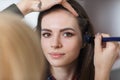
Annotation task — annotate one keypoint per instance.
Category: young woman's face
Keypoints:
(60, 38)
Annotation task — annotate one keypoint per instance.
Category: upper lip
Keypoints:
(56, 53)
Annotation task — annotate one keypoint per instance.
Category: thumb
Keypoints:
(98, 43)
(69, 7)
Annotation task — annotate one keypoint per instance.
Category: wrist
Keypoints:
(24, 10)
(102, 74)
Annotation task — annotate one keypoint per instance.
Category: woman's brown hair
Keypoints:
(85, 68)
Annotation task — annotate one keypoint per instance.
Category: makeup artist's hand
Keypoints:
(27, 6)
(104, 57)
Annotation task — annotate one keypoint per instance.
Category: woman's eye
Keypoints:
(46, 35)
(68, 34)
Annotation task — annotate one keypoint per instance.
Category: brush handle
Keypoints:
(108, 39)
(90, 39)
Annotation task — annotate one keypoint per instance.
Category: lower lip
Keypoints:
(56, 56)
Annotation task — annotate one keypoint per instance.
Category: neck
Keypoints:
(64, 72)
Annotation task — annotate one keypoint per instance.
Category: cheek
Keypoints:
(73, 45)
(72, 49)
(44, 44)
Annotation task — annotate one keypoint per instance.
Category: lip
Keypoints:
(56, 55)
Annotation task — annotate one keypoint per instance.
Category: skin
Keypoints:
(55, 41)
(61, 36)
(104, 56)
(27, 6)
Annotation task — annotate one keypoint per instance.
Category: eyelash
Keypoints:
(68, 34)
(65, 34)
(46, 35)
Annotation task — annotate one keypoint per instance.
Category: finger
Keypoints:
(109, 44)
(98, 43)
(118, 50)
(118, 57)
(104, 43)
(36, 6)
(39, 5)
(69, 7)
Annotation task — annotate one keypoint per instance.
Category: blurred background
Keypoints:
(104, 15)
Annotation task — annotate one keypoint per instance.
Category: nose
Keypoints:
(56, 42)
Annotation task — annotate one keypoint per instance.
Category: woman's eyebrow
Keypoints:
(46, 30)
(66, 29)
(61, 30)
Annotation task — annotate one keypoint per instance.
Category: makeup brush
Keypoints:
(90, 39)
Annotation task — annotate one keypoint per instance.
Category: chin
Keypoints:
(57, 64)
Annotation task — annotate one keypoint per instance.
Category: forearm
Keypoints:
(14, 9)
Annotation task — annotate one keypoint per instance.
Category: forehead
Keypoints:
(59, 17)
(60, 12)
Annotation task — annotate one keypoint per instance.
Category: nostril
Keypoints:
(56, 44)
